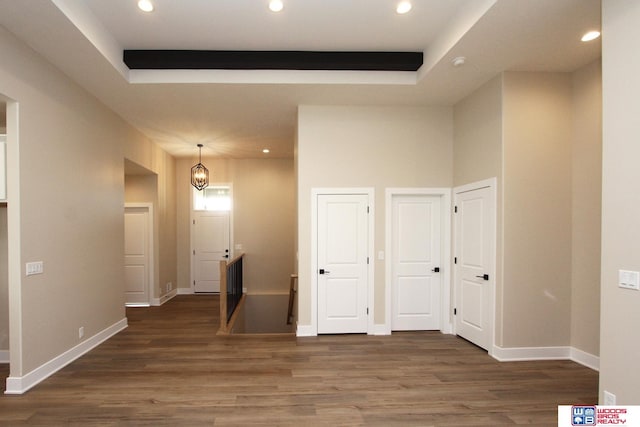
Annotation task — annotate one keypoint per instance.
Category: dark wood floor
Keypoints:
(169, 368)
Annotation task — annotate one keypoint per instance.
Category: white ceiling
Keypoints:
(236, 114)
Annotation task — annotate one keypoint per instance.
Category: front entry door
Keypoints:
(416, 283)
(137, 255)
(342, 263)
(211, 245)
(475, 254)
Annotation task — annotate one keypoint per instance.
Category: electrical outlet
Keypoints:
(609, 399)
(169, 286)
(81, 332)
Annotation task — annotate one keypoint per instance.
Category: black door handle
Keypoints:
(436, 270)
(323, 271)
(484, 277)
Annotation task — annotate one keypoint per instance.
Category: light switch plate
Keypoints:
(35, 268)
(629, 279)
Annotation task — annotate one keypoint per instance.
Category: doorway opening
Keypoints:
(211, 235)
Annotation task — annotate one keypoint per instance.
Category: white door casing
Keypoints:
(211, 244)
(342, 270)
(416, 262)
(138, 254)
(475, 242)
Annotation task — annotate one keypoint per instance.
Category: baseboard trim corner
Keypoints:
(20, 385)
(586, 359)
(164, 298)
(514, 354)
(305, 331)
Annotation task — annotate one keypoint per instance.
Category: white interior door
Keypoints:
(211, 245)
(342, 263)
(475, 254)
(416, 280)
(137, 255)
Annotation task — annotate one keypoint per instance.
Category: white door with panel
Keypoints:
(475, 255)
(342, 263)
(211, 245)
(137, 255)
(416, 280)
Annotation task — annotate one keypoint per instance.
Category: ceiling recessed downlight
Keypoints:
(145, 5)
(276, 5)
(591, 35)
(403, 7)
(266, 151)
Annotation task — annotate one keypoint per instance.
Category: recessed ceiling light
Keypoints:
(403, 7)
(591, 35)
(266, 151)
(276, 5)
(145, 5)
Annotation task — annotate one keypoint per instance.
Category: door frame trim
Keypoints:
(150, 248)
(492, 184)
(366, 191)
(446, 326)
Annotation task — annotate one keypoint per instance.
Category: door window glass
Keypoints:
(213, 198)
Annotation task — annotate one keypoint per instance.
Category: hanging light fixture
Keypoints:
(199, 174)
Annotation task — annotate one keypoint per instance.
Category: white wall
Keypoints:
(379, 147)
(620, 308)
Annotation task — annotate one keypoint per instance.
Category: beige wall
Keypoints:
(620, 308)
(536, 298)
(477, 155)
(375, 147)
(586, 208)
(263, 218)
(545, 235)
(66, 196)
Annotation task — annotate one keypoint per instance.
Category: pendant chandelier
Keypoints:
(199, 174)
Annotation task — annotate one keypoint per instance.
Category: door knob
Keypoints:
(436, 270)
(323, 271)
(484, 277)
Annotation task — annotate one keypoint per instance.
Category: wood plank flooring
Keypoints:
(169, 368)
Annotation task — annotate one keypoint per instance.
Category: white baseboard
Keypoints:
(4, 356)
(164, 298)
(19, 385)
(585, 359)
(185, 291)
(546, 353)
(530, 353)
(380, 329)
(137, 304)
(305, 331)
